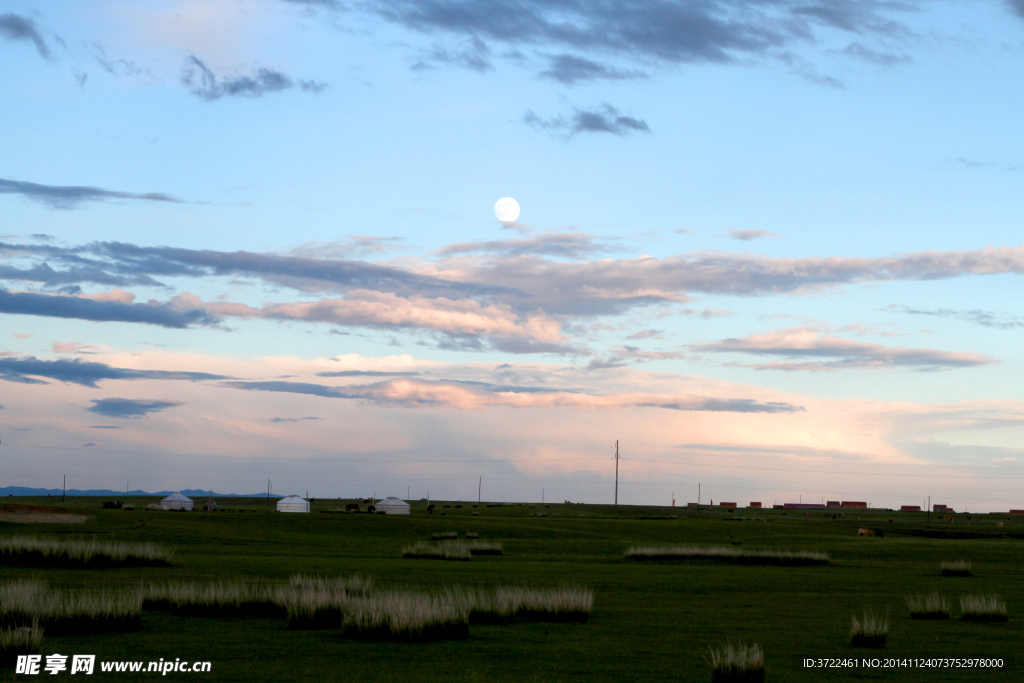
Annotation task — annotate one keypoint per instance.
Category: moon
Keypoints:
(506, 210)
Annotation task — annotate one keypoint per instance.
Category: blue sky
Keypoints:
(777, 242)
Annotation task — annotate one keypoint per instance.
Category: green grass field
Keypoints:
(653, 621)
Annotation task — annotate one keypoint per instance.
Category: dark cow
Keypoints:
(352, 507)
(370, 509)
(430, 509)
(112, 504)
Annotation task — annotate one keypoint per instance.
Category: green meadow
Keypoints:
(654, 620)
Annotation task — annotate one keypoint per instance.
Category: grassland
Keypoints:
(652, 620)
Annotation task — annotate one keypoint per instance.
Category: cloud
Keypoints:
(866, 54)
(472, 54)
(748, 235)
(806, 343)
(293, 419)
(74, 347)
(24, 370)
(204, 84)
(561, 244)
(365, 373)
(653, 31)
(1017, 6)
(384, 310)
(69, 197)
(418, 393)
(647, 334)
(352, 245)
(130, 407)
(604, 119)
(104, 427)
(570, 69)
(623, 354)
(976, 316)
(60, 306)
(14, 27)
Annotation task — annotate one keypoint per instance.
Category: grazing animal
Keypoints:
(370, 509)
(112, 504)
(352, 506)
(863, 532)
(870, 532)
(430, 508)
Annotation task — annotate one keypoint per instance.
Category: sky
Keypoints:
(772, 248)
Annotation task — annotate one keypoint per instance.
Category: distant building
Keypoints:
(727, 505)
(910, 508)
(854, 505)
(176, 501)
(941, 508)
(833, 504)
(1017, 512)
(293, 504)
(393, 506)
(754, 505)
(803, 506)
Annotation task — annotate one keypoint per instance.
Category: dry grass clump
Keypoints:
(91, 554)
(19, 640)
(729, 554)
(871, 631)
(956, 568)
(933, 606)
(443, 535)
(978, 607)
(406, 616)
(503, 604)
(315, 602)
(737, 664)
(445, 550)
(472, 534)
(23, 603)
(485, 548)
(220, 599)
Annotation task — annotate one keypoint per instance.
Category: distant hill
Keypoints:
(24, 491)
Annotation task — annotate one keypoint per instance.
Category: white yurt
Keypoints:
(293, 504)
(176, 501)
(393, 506)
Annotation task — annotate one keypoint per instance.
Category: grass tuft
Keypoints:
(978, 607)
(871, 631)
(727, 554)
(315, 602)
(932, 606)
(443, 535)
(485, 548)
(23, 603)
(445, 550)
(737, 664)
(220, 599)
(29, 551)
(956, 568)
(19, 640)
(503, 604)
(406, 616)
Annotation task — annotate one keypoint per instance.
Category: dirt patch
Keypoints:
(41, 518)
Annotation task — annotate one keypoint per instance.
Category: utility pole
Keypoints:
(698, 497)
(616, 471)
(929, 509)
(64, 490)
(479, 488)
(268, 493)
(542, 496)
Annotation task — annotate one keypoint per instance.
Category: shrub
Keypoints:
(979, 607)
(727, 554)
(446, 550)
(23, 603)
(956, 568)
(933, 606)
(737, 664)
(406, 617)
(91, 554)
(871, 631)
(19, 640)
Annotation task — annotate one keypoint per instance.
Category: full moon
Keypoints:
(506, 209)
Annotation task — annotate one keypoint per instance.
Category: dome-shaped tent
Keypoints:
(176, 501)
(393, 506)
(293, 504)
